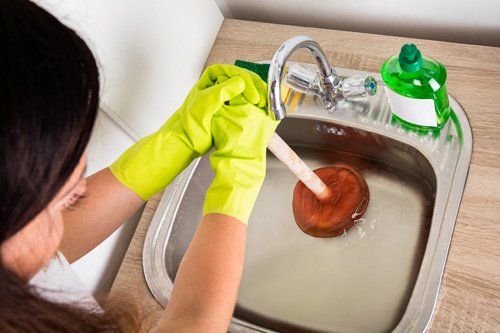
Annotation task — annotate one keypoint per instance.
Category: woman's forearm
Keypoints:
(206, 284)
(106, 205)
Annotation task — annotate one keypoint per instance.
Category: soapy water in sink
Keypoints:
(360, 281)
(365, 225)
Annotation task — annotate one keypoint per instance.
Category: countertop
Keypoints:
(470, 294)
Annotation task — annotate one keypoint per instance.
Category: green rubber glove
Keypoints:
(153, 162)
(241, 132)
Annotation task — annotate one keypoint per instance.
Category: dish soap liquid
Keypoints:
(416, 90)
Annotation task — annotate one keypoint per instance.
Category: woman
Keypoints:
(49, 99)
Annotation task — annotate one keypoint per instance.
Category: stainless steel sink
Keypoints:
(383, 274)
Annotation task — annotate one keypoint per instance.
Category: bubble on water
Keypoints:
(359, 226)
(343, 239)
(361, 208)
(359, 222)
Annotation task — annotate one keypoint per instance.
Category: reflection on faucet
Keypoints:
(326, 84)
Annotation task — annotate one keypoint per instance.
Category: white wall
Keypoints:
(474, 22)
(150, 54)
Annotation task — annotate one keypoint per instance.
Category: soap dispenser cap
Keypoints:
(410, 58)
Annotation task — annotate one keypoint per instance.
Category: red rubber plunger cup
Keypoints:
(332, 216)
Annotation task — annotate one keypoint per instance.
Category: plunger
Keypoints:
(326, 201)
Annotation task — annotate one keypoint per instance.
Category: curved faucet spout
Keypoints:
(326, 84)
(329, 80)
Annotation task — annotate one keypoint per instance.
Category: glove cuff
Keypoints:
(235, 188)
(235, 202)
(152, 163)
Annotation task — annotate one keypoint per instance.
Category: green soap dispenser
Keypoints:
(416, 90)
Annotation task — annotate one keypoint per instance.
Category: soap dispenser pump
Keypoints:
(416, 89)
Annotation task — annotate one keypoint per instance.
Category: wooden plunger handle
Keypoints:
(286, 155)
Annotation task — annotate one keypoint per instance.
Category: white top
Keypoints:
(59, 283)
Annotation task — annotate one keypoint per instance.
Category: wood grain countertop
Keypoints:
(470, 293)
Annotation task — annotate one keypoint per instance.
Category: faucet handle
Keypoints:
(358, 86)
(302, 79)
(306, 81)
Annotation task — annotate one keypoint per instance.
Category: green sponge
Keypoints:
(260, 69)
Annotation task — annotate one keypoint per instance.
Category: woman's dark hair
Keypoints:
(49, 88)
(49, 95)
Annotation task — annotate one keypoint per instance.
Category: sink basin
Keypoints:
(384, 274)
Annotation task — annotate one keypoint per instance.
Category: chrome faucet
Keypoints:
(331, 88)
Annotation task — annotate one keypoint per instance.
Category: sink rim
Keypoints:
(420, 308)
